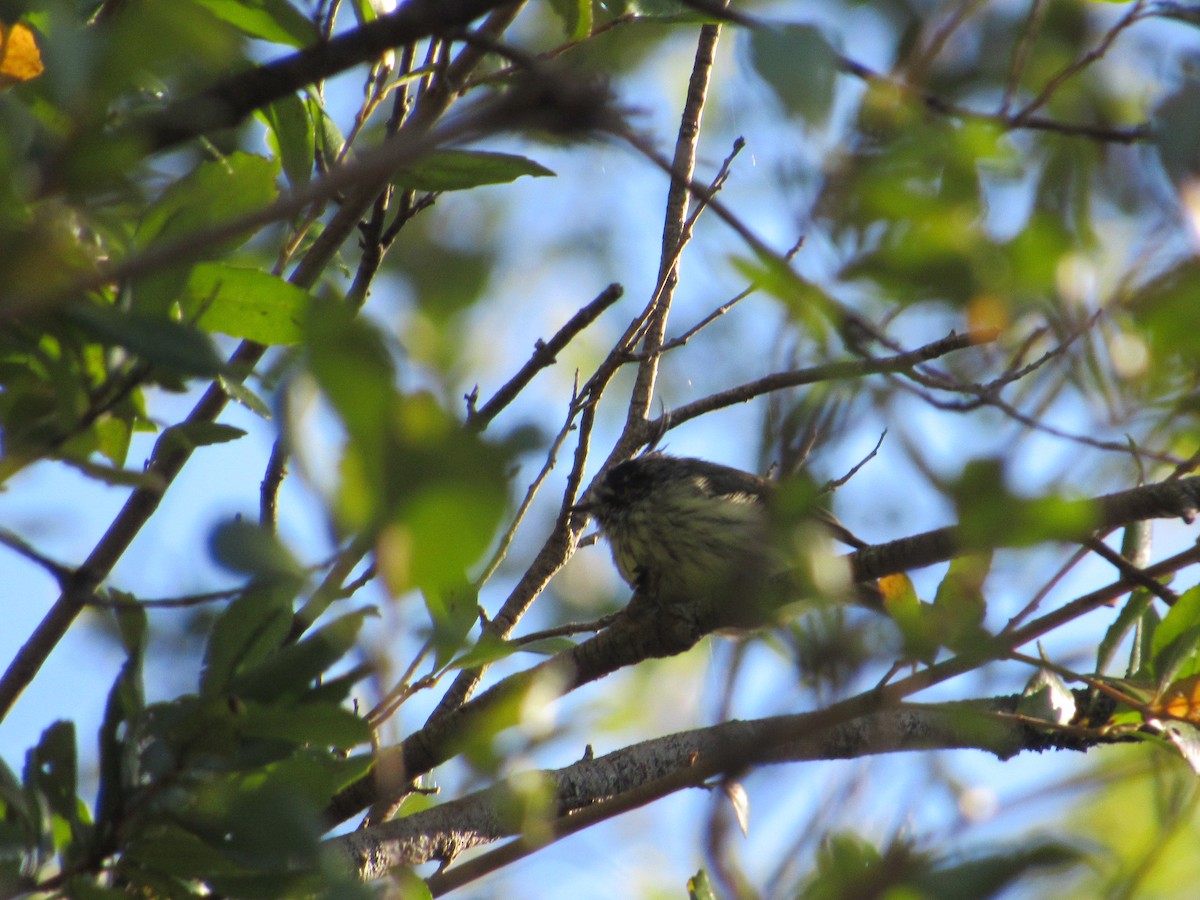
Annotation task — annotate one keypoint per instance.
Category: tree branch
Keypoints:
(632, 776)
(647, 630)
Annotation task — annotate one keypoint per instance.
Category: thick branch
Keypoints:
(1165, 500)
(228, 102)
(698, 755)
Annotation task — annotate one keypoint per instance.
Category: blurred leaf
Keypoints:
(808, 303)
(319, 724)
(700, 888)
(156, 340)
(190, 435)
(576, 17)
(290, 672)
(445, 280)
(1177, 131)
(989, 875)
(245, 303)
(350, 361)
(456, 170)
(212, 194)
(990, 516)
(251, 549)
(269, 20)
(251, 627)
(294, 136)
(1173, 649)
(799, 65)
(1167, 312)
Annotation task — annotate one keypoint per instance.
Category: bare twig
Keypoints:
(62, 574)
(545, 354)
(268, 494)
(1135, 13)
(1131, 572)
(943, 107)
(1021, 53)
(828, 372)
(680, 169)
(530, 493)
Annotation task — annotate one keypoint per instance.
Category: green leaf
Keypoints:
(53, 767)
(245, 303)
(1176, 639)
(989, 875)
(456, 170)
(329, 138)
(319, 724)
(799, 65)
(291, 671)
(119, 769)
(190, 435)
(155, 339)
(808, 303)
(576, 17)
(294, 137)
(990, 516)
(251, 549)
(700, 888)
(249, 629)
(276, 21)
(212, 194)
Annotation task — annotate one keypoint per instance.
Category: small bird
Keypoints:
(689, 531)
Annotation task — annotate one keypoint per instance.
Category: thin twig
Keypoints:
(1131, 572)
(1023, 116)
(1021, 54)
(545, 354)
(62, 574)
(531, 492)
(681, 168)
(828, 372)
(268, 493)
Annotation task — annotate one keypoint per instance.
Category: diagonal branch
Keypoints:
(647, 630)
(595, 789)
(230, 101)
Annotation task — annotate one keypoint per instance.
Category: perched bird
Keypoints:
(689, 531)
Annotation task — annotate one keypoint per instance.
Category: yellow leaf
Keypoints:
(20, 59)
(1181, 700)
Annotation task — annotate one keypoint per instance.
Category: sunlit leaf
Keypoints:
(576, 16)
(245, 303)
(270, 20)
